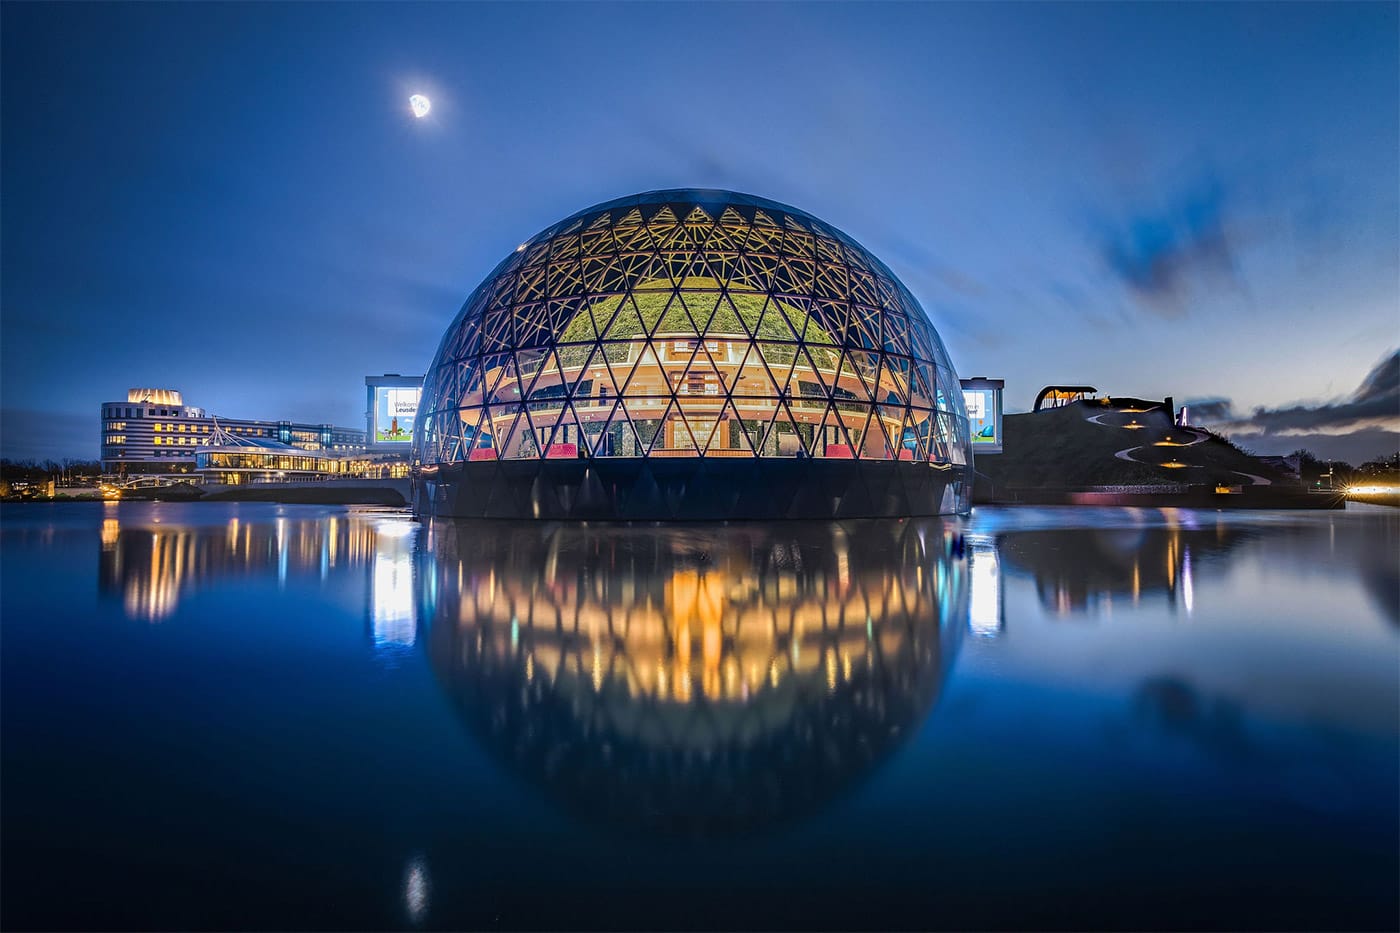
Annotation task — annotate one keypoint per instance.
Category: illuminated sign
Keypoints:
(394, 412)
(982, 398)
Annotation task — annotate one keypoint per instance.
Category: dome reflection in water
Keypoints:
(695, 680)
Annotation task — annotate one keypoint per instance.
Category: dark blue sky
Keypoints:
(233, 200)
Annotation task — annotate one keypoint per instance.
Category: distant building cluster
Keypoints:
(154, 431)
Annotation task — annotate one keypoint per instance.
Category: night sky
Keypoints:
(235, 201)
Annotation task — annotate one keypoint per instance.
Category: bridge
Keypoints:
(147, 482)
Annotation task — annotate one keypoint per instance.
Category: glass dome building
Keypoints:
(691, 354)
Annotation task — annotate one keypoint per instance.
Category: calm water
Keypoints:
(254, 715)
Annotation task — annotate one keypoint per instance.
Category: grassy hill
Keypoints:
(1118, 442)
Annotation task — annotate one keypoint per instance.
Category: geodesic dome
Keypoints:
(692, 324)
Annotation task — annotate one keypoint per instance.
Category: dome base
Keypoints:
(691, 489)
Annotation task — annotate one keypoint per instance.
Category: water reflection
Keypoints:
(416, 890)
(694, 680)
(392, 620)
(152, 561)
(1086, 571)
(923, 713)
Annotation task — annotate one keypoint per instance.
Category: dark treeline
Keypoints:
(1314, 469)
(41, 471)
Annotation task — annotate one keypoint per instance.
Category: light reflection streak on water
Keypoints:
(152, 562)
(984, 581)
(416, 890)
(1188, 592)
(392, 604)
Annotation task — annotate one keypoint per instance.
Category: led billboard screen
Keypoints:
(983, 416)
(394, 412)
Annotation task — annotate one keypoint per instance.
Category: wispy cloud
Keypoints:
(1163, 254)
(1371, 413)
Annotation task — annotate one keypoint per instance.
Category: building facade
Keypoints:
(692, 354)
(154, 431)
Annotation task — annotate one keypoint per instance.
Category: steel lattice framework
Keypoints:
(700, 324)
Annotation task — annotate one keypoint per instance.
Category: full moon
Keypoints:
(420, 105)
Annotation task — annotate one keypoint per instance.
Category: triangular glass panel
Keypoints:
(530, 364)
(752, 378)
(672, 434)
(865, 330)
(894, 381)
(753, 272)
(922, 392)
(601, 272)
(788, 435)
(919, 427)
(672, 318)
(626, 320)
(618, 360)
(834, 440)
(829, 250)
(866, 366)
(498, 371)
(469, 423)
(778, 322)
(469, 387)
(564, 278)
(891, 421)
(822, 372)
(584, 370)
(701, 376)
(503, 291)
(698, 227)
(517, 441)
(630, 234)
(496, 331)
(826, 324)
(530, 285)
(616, 438)
(736, 228)
(701, 417)
(647, 425)
(874, 439)
(566, 440)
(701, 306)
(731, 436)
(755, 423)
(648, 378)
(895, 333)
(737, 314)
(863, 290)
(781, 359)
(832, 282)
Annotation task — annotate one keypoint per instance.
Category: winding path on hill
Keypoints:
(1198, 436)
